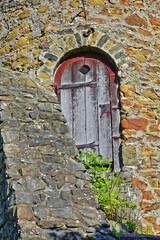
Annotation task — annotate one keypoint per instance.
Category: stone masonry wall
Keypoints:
(43, 186)
(37, 35)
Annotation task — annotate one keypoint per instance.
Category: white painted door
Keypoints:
(85, 100)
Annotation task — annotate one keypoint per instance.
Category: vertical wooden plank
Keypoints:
(116, 139)
(66, 97)
(115, 123)
(105, 134)
(79, 108)
(91, 106)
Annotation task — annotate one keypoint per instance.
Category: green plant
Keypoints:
(107, 185)
(131, 226)
(148, 230)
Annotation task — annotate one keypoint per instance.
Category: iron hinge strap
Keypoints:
(76, 85)
(89, 145)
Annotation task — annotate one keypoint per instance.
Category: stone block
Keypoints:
(103, 40)
(45, 107)
(147, 195)
(21, 42)
(34, 184)
(146, 151)
(96, 2)
(25, 212)
(129, 156)
(88, 212)
(13, 34)
(72, 151)
(40, 212)
(9, 136)
(42, 9)
(154, 183)
(52, 159)
(49, 169)
(46, 224)
(135, 20)
(50, 182)
(71, 42)
(51, 57)
(72, 165)
(139, 184)
(84, 197)
(90, 222)
(135, 123)
(78, 39)
(3, 116)
(66, 213)
(56, 51)
(23, 198)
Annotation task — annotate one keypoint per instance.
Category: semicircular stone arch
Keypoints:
(70, 43)
(104, 110)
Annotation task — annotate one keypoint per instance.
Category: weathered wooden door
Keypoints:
(84, 89)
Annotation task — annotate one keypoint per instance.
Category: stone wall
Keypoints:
(43, 186)
(35, 38)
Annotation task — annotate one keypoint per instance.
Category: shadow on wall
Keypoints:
(8, 217)
(100, 233)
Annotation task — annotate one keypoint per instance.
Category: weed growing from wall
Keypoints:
(108, 186)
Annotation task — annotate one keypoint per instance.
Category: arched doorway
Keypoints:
(86, 88)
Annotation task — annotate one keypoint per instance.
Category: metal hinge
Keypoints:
(116, 137)
(76, 85)
(115, 107)
(105, 108)
(88, 145)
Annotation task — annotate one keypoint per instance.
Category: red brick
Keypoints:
(137, 67)
(134, 123)
(125, 102)
(153, 69)
(147, 195)
(157, 227)
(124, 2)
(46, 44)
(153, 127)
(136, 105)
(143, 205)
(157, 192)
(134, 20)
(139, 184)
(153, 206)
(102, 21)
(104, 11)
(155, 21)
(147, 220)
